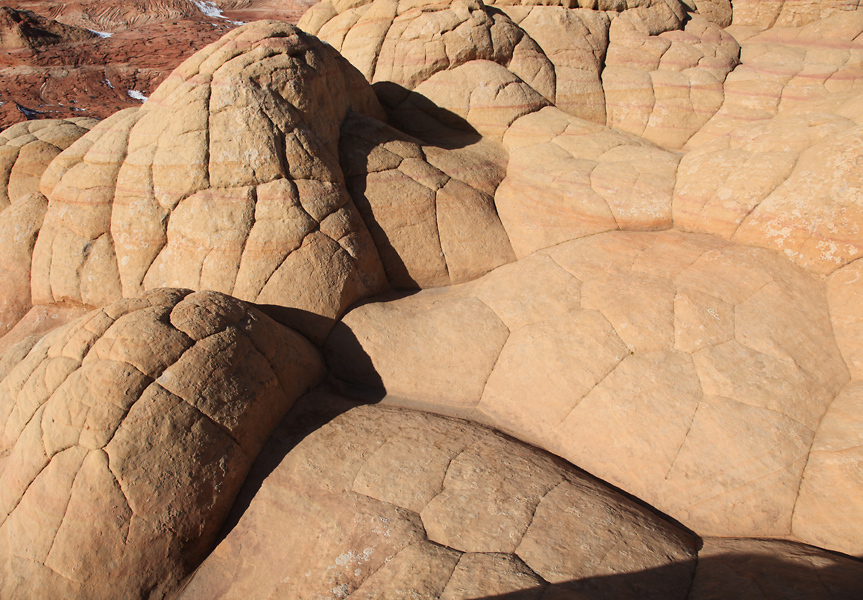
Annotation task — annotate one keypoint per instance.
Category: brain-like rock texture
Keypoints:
(643, 71)
(717, 361)
(388, 503)
(226, 179)
(127, 434)
(26, 150)
(632, 238)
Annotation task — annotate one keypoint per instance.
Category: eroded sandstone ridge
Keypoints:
(627, 234)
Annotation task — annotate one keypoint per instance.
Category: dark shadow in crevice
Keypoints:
(793, 572)
(416, 115)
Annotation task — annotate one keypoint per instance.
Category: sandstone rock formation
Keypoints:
(26, 29)
(717, 361)
(443, 498)
(127, 435)
(603, 240)
(26, 150)
(226, 179)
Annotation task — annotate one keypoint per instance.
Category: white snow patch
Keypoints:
(208, 8)
(136, 95)
(101, 34)
(211, 10)
(108, 83)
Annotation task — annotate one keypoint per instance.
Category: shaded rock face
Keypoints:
(127, 434)
(620, 252)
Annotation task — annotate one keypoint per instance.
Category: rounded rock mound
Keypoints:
(126, 436)
(227, 178)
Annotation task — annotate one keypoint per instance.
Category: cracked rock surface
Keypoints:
(127, 435)
(626, 233)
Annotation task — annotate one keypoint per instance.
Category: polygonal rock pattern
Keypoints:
(26, 150)
(126, 436)
(227, 178)
(716, 360)
(431, 213)
(649, 69)
(665, 87)
(790, 183)
(807, 57)
(831, 495)
(388, 503)
(568, 178)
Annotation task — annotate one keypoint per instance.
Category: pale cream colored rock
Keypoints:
(452, 369)
(845, 298)
(773, 569)
(786, 67)
(227, 179)
(718, 378)
(27, 148)
(787, 13)
(568, 178)
(486, 95)
(126, 435)
(788, 184)
(575, 41)
(665, 87)
(830, 500)
(402, 43)
(486, 491)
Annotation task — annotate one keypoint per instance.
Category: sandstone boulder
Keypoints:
(26, 150)
(788, 66)
(700, 368)
(431, 213)
(388, 503)
(227, 178)
(126, 436)
(569, 178)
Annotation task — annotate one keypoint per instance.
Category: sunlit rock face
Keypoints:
(625, 234)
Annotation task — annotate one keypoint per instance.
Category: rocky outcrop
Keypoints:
(389, 502)
(676, 339)
(610, 254)
(226, 179)
(26, 29)
(127, 434)
(25, 151)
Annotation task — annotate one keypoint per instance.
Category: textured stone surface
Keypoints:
(568, 178)
(127, 434)
(201, 188)
(718, 361)
(640, 222)
(483, 515)
(26, 150)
